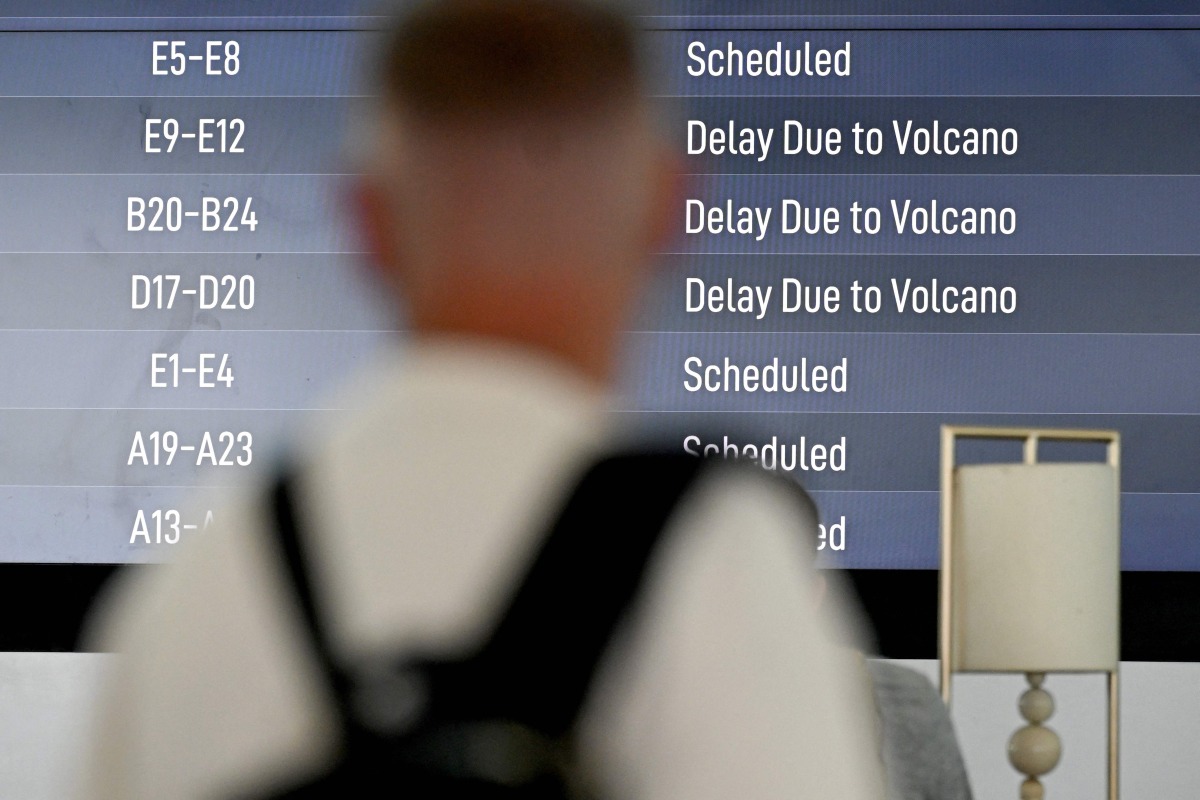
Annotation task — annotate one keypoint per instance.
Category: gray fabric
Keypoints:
(920, 752)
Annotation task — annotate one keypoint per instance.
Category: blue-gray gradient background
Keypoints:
(1104, 262)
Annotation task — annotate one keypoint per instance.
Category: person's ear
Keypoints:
(669, 189)
(374, 216)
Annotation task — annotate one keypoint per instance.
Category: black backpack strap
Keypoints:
(537, 666)
(290, 532)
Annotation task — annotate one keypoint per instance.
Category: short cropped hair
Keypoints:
(470, 59)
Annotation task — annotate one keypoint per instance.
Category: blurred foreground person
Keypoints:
(517, 192)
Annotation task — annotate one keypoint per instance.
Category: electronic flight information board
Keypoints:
(955, 214)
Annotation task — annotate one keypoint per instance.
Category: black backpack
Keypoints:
(496, 725)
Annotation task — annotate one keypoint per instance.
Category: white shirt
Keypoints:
(425, 505)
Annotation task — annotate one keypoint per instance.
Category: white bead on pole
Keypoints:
(1034, 749)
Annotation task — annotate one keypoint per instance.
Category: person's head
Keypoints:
(519, 184)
